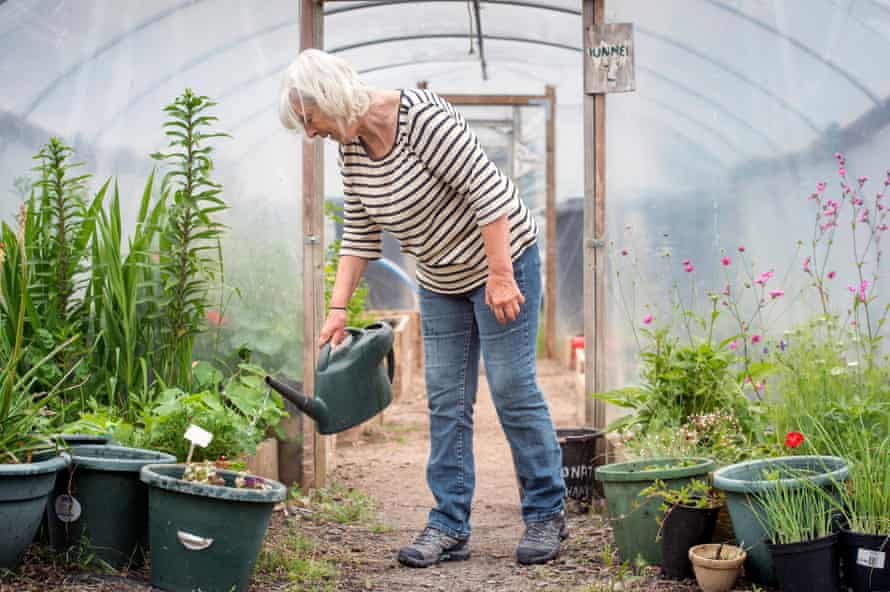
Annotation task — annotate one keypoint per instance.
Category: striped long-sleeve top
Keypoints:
(433, 192)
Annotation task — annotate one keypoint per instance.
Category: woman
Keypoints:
(411, 166)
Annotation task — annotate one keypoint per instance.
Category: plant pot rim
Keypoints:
(813, 544)
(629, 471)
(50, 465)
(710, 562)
(724, 478)
(153, 475)
(104, 457)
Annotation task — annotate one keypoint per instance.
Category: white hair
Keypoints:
(326, 80)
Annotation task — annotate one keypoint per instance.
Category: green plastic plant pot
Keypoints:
(741, 480)
(205, 537)
(100, 503)
(24, 489)
(635, 519)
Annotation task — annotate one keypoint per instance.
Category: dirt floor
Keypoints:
(308, 550)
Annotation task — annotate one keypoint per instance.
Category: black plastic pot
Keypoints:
(682, 529)
(811, 566)
(100, 502)
(866, 561)
(579, 462)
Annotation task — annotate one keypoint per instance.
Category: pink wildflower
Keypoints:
(734, 346)
(831, 274)
(838, 156)
(624, 252)
(863, 290)
(806, 264)
(820, 186)
(687, 262)
(755, 338)
(647, 319)
(726, 260)
(726, 290)
(742, 247)
(842, 171)
(862, 180)
(689, 268)
(776, 293)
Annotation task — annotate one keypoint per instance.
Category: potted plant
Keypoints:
(28, 458)
(716, 565)
(206, 525)
(101, 501)
(798, 522)
(742, 481)
(635, 518)
(690, 516)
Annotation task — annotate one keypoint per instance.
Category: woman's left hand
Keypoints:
(503, 297)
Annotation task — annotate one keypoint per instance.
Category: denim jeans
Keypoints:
(455, 329)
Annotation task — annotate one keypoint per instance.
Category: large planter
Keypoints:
(205, 537)
(810, 566)
(23, 492)
(683, 528)
(866, 561)
(635, 519)
(101, 503)
(740, 481)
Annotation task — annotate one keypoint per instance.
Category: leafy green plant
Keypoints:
(189, 258)
(24, 428)
(695, 494)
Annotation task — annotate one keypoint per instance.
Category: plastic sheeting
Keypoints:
(739, 106)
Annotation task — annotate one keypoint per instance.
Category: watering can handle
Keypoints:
(391, 363)
(324, 355)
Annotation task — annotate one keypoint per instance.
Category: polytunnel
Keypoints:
(738, 109)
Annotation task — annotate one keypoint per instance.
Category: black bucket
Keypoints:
(866, 561)
(812, 566)
(682, 529)
(579, 462)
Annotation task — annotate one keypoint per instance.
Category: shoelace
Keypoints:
(429, 536)
(540, 532)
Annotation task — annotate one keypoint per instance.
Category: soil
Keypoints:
(388, 463)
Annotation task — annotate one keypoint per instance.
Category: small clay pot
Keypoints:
(716, 575)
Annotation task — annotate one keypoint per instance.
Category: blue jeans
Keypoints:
(455, 329)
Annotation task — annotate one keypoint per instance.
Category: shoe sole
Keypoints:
(462, 555)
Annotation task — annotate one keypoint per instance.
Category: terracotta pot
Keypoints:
(716, 575)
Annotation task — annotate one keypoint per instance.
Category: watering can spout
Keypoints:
(313, 407)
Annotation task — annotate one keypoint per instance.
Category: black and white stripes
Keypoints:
(432, 191)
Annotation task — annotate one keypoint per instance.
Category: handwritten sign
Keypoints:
(609, 59)
(198, 436)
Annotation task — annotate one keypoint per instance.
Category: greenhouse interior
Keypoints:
(458, 295)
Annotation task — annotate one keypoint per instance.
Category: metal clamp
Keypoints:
(193, 542)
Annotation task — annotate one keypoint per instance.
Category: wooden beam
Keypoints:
(488, 100)
(593, 12)
(315, 446)
(550, 213)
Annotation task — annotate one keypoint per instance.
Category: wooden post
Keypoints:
(315, 460)
(550, 213)
(594, 235)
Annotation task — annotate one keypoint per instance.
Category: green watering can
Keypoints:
(351, 384)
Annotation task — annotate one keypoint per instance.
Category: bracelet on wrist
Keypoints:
(336, 308)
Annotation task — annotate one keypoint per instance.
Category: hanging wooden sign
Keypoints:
(609, 58)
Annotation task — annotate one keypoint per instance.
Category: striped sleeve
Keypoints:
(361, 235)
(453, 153)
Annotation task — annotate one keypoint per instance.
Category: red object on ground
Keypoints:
(576, 344)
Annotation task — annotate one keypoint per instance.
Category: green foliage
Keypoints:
(357, 305)
(189, 258)
(238, 412)
(296, 558)
(679, 381)
(695, 494)
(793, 513)
(124, 300)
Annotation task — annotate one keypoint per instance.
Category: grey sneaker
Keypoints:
(541, 540)
(432, 546)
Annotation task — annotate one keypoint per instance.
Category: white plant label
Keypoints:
(199, 436)
(67, 508)
(869, 558)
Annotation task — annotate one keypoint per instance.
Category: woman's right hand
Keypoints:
(334, 328)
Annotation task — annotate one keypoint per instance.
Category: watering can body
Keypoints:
(352, 384)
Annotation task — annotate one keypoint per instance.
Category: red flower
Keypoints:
(214, 318)
(793, 439)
